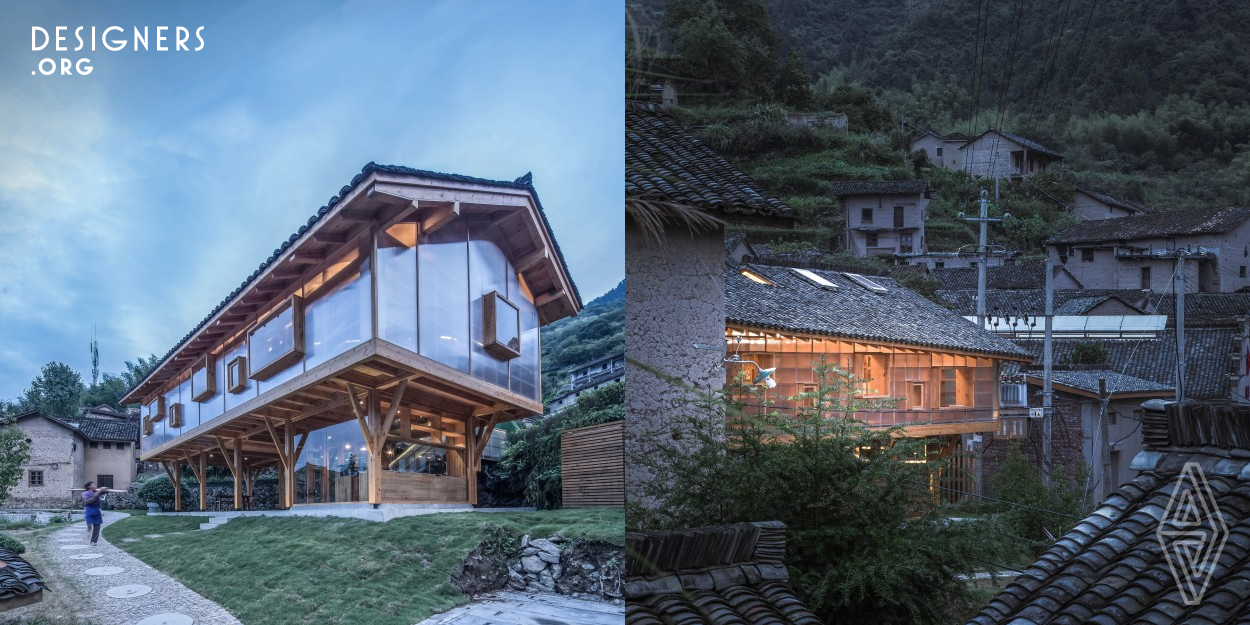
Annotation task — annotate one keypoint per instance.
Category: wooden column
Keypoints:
(177, 486)
(285, 464)
(470, 473)
(374, 447)
(288, 444)
(237, 471)
(203, 479)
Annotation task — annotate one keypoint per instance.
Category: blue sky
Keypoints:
(135, 198)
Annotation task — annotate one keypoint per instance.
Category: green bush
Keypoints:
(160, 490)
(1041, 512)
(529, 470)
(12, 544)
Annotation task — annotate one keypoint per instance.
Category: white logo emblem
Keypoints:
(1192, 533)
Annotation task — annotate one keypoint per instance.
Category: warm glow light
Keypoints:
(755, 277)
(405, 233)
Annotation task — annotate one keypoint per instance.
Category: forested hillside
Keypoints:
(595, 332)
(1148, 100)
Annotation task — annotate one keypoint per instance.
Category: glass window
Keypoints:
(35, 479)
(338, 319)
(214, 406)
(278, 342)
(171, 429)
(444, 299)
(204, 381)
(523, 373)
(870, 239)
(397, 285)
(956, 387)
(333, 466)
(190, 409)
(865, 215)
(105, 481)
(873, 374)
(488, 277)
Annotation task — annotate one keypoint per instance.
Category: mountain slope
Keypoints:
(595, 332)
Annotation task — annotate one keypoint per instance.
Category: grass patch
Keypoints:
(294, 570)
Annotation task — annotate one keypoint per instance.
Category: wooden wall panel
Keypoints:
(593, 466)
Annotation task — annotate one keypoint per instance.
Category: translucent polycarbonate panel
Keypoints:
(488, 270)
(333, 466)
(443, 266)
(525, 369)
(272, 341)
(190, 409)
(171, 398)
(337, 320)
(397, 285)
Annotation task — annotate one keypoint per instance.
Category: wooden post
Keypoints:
(237, 470)
(470, 473)
(374, 447)
(203, 477)
(284, 464)
(288, 446)
(177, 486)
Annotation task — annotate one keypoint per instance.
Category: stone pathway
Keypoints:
(519, 608)
(122, 590)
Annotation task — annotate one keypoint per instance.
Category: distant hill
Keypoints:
(599, 330)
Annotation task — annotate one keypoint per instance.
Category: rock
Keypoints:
(515, 567)
(525, 541)
(530, 551)
(556, 570)
(588, 567)
(558, 538)
(546, 557)
(532, 564)
(547, 581)
(546, 545)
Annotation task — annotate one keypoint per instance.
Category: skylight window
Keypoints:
(866, 283)
(755, 277)
(818, 279)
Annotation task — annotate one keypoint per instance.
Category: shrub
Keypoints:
(160, 490)
(12, 544)
(1043, 512)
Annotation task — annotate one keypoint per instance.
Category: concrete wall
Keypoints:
(914, 206)
(676, 298)
(991, 155)
(950, 157)
(50, 445)
(118, 462)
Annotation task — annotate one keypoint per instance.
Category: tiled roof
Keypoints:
(1087, 380)
(1207, 358)
(525, 182)
(1205, 306)
(664, 163)
(719, 575)
(1154, 225)
(850, 310)
(732, 241)
(1031, 275)
(1112, 569)
(94, 429)
(18, 579)
(1033, 301)
(878, 187)
(1115, 201)
(1033, 146)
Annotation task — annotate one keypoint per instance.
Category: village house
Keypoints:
(1139, 252)
(679, 196)
(1093, 205)
(941, 150)
(101, 445)
(370, 358)
(1116, 567)
(998, 154)
(587, 377)
(1081, 431)
(884, 217)
(943, 372)
(968, 259)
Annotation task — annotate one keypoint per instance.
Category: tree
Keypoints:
(794, 85)
(865, 541)
(728, 43)
(112, 388)
(14, 453)
(57, 391)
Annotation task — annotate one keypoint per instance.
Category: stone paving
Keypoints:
(122, 590)
(522, 608)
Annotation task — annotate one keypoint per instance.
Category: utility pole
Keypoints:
(983, 250)
(1180, 324)
(1105, 452)
(1047, 370)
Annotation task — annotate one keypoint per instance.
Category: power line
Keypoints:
(1004, 501)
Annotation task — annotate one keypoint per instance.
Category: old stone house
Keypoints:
(1139, 252)
(996, 153)
(941, 150)
(101, 445)
(587, 377)
(884, 217)
(1088, 204)
(679, 196)
(1078, 437)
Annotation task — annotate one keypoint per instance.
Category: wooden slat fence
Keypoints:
(592, 466)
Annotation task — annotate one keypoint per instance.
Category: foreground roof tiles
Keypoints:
(1154, 225)
(1112, 569)
(18, 579)
(848, 309)
(718, 575)
(1030, 275)
(665, 163)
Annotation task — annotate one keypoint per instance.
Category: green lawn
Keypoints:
(295, 570)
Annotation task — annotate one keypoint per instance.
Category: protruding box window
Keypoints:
(204, 380)
(236, 374)
(277, 341)
(147, 426)
(158, 409)
(502, 325)
(175, 415)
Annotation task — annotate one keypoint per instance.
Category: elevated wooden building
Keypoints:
(370, 357)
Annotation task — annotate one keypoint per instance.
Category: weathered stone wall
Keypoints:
(677, 299)
(580, 569)
(57, 452)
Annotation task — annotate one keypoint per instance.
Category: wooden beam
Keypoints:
(360, 417)
(484, 437)
(470, 475)
(548, 297)
(357, 214)
(390, 413)
(277, 443)
(238, 479)
(221, 446)
(533, 259)
(439, 217)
